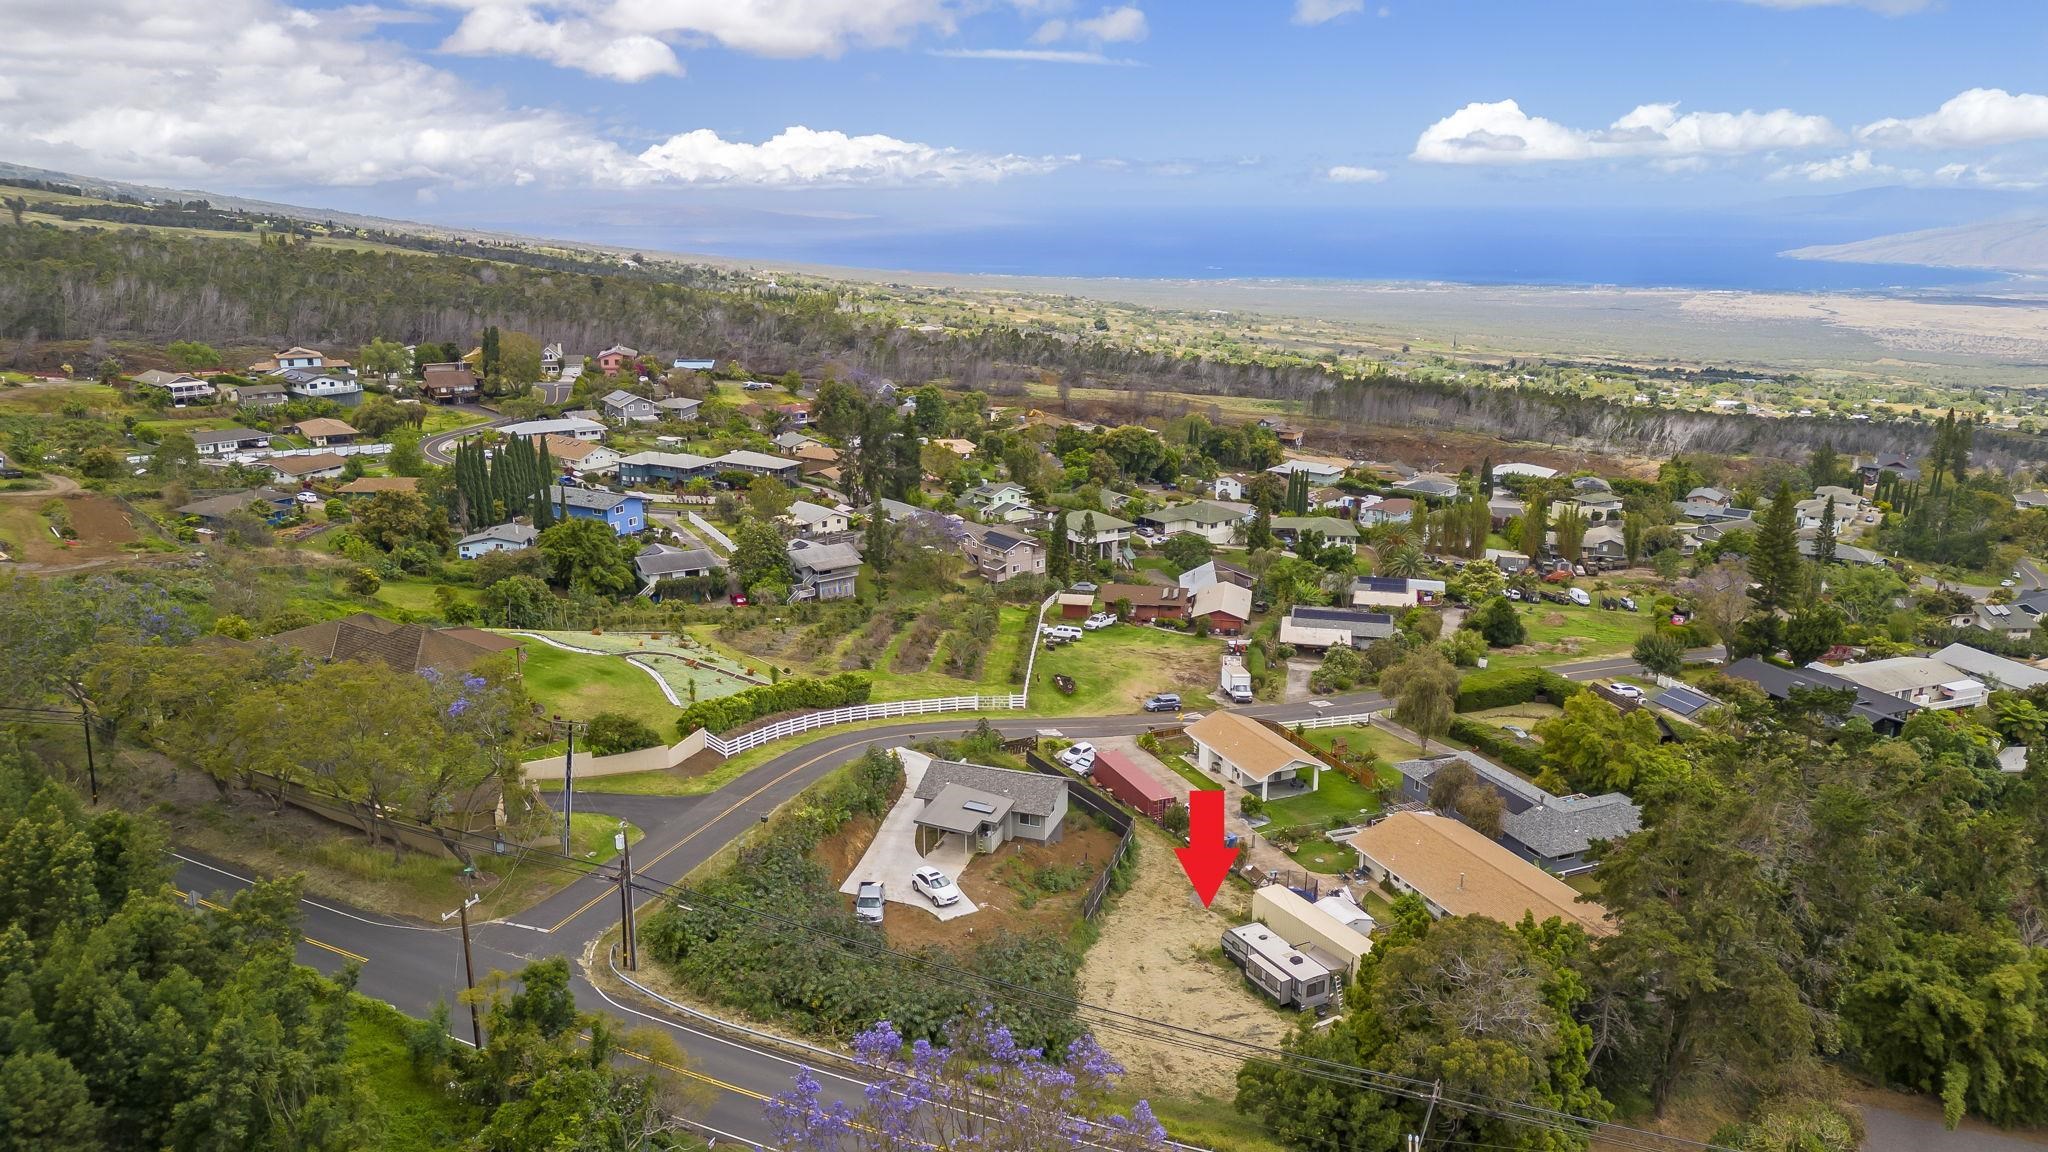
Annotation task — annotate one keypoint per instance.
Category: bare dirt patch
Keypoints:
(102, 526)
(1000, 883)
(1159, 957)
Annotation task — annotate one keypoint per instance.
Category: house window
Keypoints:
(1029, 820)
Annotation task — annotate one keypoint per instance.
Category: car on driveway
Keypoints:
(1099, 620)
(1625, 691)
(867, 902)
(1080, 756)
(1163, 702)
(936, 886)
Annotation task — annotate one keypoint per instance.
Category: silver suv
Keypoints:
(867, 902)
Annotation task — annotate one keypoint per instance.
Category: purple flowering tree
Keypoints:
(979, 1090)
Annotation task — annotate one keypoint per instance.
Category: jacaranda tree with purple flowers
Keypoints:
(978, 1090)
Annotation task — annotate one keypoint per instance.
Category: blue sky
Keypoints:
(523, 112)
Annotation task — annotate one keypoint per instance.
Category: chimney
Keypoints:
(1461, 881)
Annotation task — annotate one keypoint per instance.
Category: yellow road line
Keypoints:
(706, 826)
(693, 1074)
(341, 952)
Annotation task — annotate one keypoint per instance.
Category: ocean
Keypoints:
(1641, 249)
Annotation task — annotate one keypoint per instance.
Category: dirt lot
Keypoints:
(1160, 957)
(102, 525)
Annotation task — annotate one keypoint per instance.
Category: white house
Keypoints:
(572, 427)
(182, 389)
(1319, 471)
(1212, 522)
(496, 538)
(320, 384)
(816, 519)
(1251, 755)
(1227, 488)
(1918, 679)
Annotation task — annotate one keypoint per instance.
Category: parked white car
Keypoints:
(936, 886)
(1080, 756)
(1625, 691)
(1581, 597)
(1099, 620)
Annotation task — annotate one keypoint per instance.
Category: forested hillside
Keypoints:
(59, 285)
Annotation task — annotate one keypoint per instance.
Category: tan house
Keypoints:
(999, 555)
(326, 432)
(1247, 753)
(581, 455)
(1459, 872)
(961, 448)
(318, 466)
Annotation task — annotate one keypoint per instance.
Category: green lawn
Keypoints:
(50, 398)
(410, 1114)
(1336, 797)
(1391, 749)
(1568, 632)
(416, 595)
(1114, 670)
(580, 686)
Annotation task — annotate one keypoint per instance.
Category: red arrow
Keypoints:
(1206, 859)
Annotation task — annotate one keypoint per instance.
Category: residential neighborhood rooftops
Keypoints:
(593, 498)
(1254, 749)
(1466, 874)
(1146, 595)
(1780, 683)
(1569, 824)
(229, 435)
(1229, 599)
(1994, 670)
(658, 560)
(520, 534)
(680, 461)
(563, 426)
(1329, 526)
(1104, 522)
(1505, 781)
(1201, 512)
(745, 458)
(823, 557)
(324, 426)
(227, 504)
(304, 465)
(405, 647)
(1899, 674)
(1683, 701)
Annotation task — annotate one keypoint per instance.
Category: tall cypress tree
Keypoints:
(1824, 535)
(1774, 564)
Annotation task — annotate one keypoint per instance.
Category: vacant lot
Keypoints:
(1160, 957)
(1559, 632)
(580, 686)
(1114, 670)
(102, 526)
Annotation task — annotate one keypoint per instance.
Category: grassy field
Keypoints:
(580, 686)
(1390, 749)
(933, 681)
(1114, 670)
(1569, 632)
(410, 1114)
(1336, 797)
(49, 398)
(417, 596)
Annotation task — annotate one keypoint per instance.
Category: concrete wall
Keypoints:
(655, 759)
(1299, 922)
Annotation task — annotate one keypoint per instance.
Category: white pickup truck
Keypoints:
(1235, 681)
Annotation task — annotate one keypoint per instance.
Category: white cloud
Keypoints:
(196, 93)
(1035, 55)
(1501, 133)
(1977, 117)
(1352, 174)
(1988, 177)
(1313, 12)
(1857, 163)
(518, 31)
(1887, 7)
(1112, 26)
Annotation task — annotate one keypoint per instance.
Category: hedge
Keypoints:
(1491, 741)
(1501, 687)
(794, 695)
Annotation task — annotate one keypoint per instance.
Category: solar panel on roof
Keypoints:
(1683, 701)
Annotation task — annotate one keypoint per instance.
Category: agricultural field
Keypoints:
(915, 649)
(101, 528)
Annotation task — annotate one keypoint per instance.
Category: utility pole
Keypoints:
(626, 897)
(92, 772)
(1414, 1141)
(476, 1027)
(568, 778)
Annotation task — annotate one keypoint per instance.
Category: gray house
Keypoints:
(1551, 832)
(988, 807)
(623, 406)
(823, 571)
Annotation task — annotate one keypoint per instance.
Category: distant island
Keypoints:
(2005, 245)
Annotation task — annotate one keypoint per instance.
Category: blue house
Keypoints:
(625, 512)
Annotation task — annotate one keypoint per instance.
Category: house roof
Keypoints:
(591, 498)
(680, 461)
(1229, 599)
(1250, 746)
(304, 465)
(748, 459)
(1356, 621)
(565, 424)
(1329, 526)
(571, 449)
(2001, 618)
(1568, 825)
(1389, 508)
(511, 533)
(227, 504)
(811, 513)
(362, 485)
(1104, 522)
(619, 398)
(1707, 496)
(823, 557)
(1146, 595)
(958, 808)
(447, 376)
(1200, 512)
(1032, 793)
(324, 426)
(158, 378)
(1996, 670)
(228, 436)
(1683, 701)
(619, 350)
(1466, 874)
(679, 404)
(1429, 486)
(1899, 674)
(1004, 541)
(663, 560)
(1517, 468)
(1780, 683)
(1519, 792)
(405, 647)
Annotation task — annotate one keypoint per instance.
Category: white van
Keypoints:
(1580, 598)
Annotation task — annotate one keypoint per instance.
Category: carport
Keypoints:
(975, 816)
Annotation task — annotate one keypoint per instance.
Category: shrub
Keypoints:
(364, 581)
(786, 696)
(1500, 687)
(612, 732)
(1491, 741)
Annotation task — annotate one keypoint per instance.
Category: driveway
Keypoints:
(892, 856)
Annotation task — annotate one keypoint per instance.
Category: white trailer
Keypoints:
(1235, 680)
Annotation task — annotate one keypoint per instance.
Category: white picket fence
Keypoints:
(1329, 721)
(853, 714)
(711, 530)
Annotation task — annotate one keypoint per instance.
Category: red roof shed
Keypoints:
(1131, 784)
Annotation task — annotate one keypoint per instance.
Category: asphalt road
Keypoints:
(436, 448)
(414, 966)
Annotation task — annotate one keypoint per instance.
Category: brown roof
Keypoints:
(569, 448)
(439, 376)
(824, 452)
(1250, 746)
(1146, 595)
(305, 465)
(363, 485)
(324, 426)
(1466, 874)
(405, 647)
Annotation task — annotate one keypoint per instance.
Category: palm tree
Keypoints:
(1405, 561)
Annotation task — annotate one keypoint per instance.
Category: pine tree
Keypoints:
(1535, 526)
(1824, 535)
(544, 476)
(1824, 467)
(1486, 477)
(491, 360)
(1260, 534)
(1774, 564)
(1057, 558)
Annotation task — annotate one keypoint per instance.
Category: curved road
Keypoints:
(414, 966)
(436, 447)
